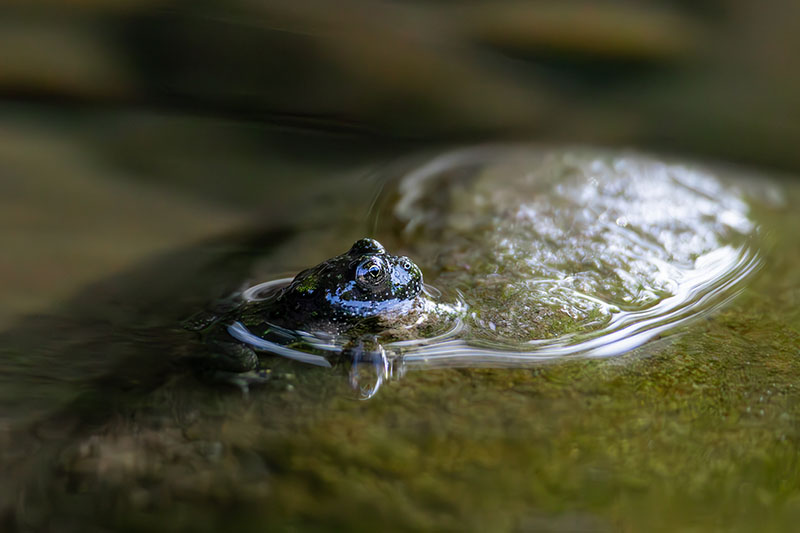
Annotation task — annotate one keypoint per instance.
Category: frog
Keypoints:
(350, 304)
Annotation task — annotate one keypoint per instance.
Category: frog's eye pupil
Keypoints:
(371, 273)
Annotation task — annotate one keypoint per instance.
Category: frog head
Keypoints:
(363, 282)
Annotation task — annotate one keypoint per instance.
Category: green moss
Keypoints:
(307, 284)
(698, 431)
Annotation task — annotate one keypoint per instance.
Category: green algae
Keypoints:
(703, 433)
(697, 431)
(309, 283)
(694, 432)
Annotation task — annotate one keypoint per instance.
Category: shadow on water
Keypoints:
(66, 374)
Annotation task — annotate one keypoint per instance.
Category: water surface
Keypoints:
(104, 426)
(563, 251)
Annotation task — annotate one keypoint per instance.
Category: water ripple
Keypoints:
(546, 254)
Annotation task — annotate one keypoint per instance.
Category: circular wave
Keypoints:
(623, 247)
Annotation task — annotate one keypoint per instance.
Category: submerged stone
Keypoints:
(563, 251)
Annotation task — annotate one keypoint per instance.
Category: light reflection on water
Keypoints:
(628, 247)
(701, 292)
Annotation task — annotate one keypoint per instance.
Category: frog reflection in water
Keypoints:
(360, 297)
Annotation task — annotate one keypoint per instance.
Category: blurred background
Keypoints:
(143, 142)
(129, 127)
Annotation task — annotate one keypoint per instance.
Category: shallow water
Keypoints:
(541, 253)
(105, 427)
(619, 247)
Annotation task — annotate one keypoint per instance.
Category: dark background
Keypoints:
(716, 78)
(133, 127)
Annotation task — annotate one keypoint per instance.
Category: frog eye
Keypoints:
(370, 272)
(405, 263)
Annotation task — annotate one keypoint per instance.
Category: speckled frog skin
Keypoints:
(358, 298)
(364, 287)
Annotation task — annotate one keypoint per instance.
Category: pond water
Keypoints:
(686, 274)
(542, 253)
(571, 251)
